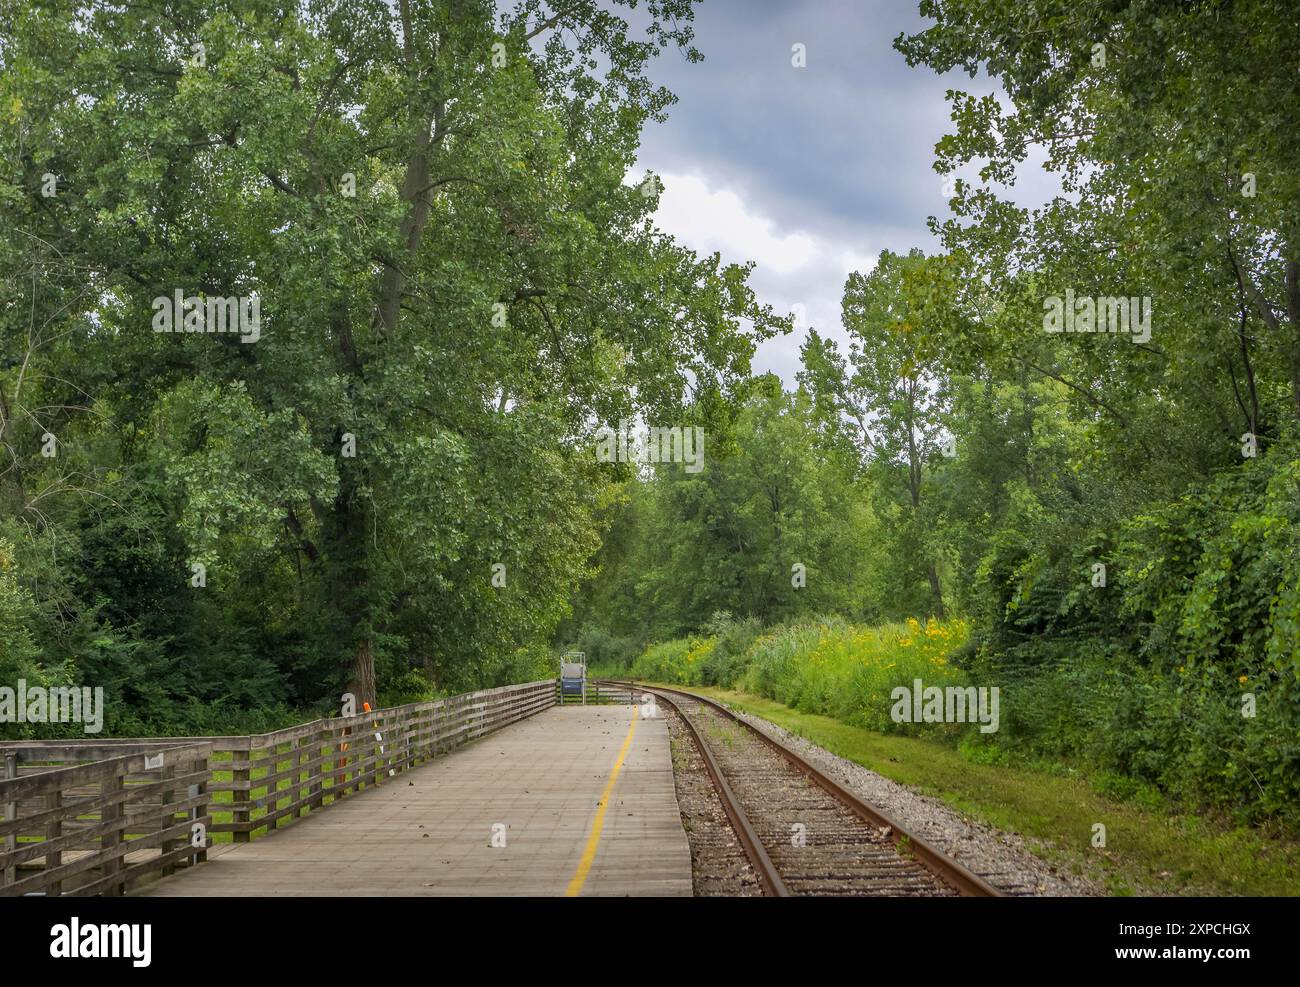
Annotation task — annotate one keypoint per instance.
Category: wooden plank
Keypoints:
(103, 808)
(142, 794)
(239, 771)
(60, 779)
(541, 777)
(10, 874)
(112, 815)
(44, 880)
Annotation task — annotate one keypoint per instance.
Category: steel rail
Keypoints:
(768, 876)
(963, 880)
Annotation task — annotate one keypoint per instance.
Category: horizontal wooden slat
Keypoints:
(95, 807)
(90, 861)
(72, 841)
(97, 804)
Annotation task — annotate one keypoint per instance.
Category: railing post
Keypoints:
(315, 796)
(397, 746)
(53, 830)
(110, 787)
(272, 794)
(455, 722)
(345, 733)
(200, 811)
(11, 813)
(244, 795)
(168, 818)
(295, 746)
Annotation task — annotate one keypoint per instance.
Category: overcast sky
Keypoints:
(809, 172)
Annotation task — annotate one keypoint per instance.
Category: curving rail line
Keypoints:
(762, 784)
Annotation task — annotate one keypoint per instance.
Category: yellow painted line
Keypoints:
(598, 824)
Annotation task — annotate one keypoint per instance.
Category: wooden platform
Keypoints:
(430, 831)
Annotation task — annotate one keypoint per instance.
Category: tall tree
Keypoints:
(428, 202)
(889, 386)
(1168, 126)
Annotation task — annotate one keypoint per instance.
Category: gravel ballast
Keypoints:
(1001, 858)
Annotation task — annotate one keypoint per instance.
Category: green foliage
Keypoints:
(826, 666)
(1215, 575)
(732, 640)
(452, 273)
(18, 650)
(680, 661)
(683, 546)
(886, 399)
(1181, 733)
(495, 288)
(849, 671)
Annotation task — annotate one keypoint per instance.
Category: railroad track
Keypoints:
(805, 834)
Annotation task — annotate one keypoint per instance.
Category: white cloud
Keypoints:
(798, 271)
(708, 219)
(851, 261)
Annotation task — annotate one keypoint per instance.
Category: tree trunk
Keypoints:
(14, 498)
(347, 561)
(937, 590)
(1293, 315)
(914, 489)
(362, 682)
(415, 190)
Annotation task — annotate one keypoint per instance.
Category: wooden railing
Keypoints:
(606, 692)
(94, 818)
(127, 810)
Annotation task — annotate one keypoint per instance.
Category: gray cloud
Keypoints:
(841, 151)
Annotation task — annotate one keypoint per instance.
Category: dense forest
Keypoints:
(1104, 524)
(453, 284)
(1059, 455)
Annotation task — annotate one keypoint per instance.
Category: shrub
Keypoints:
(732, 640)
(605, 649)
(679, 661)
(827, 666)
(849, 671)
